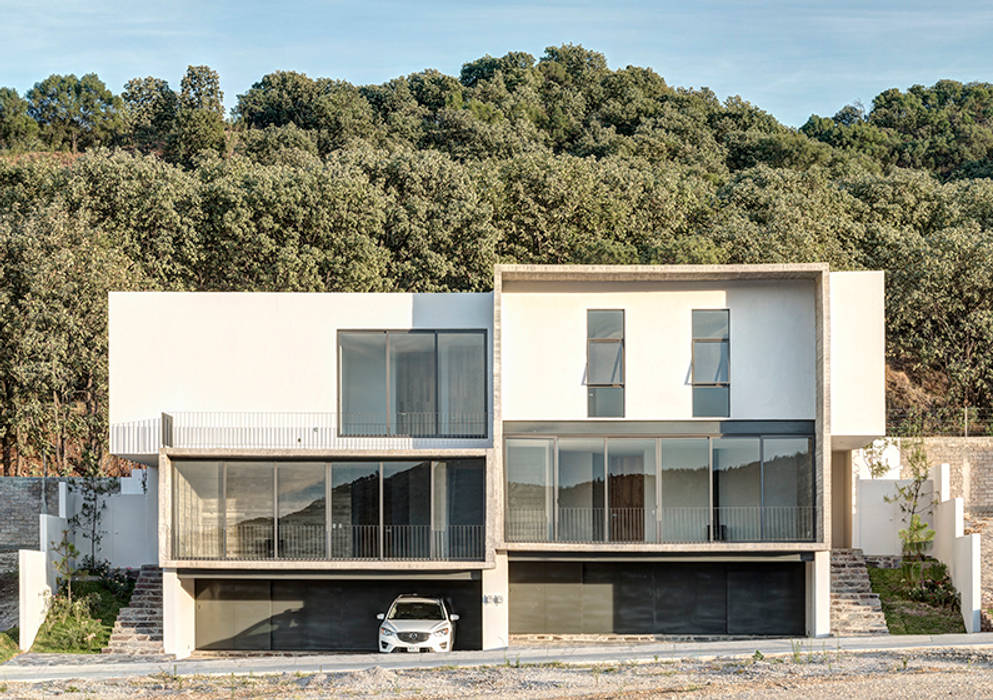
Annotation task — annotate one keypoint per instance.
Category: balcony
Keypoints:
(256, 542)
(678, 525)
(348, 509)
(304, 431)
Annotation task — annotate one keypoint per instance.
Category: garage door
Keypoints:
(656, 598)
(317, 615)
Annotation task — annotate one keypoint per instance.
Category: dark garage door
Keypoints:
(318, 615)
(656, 598)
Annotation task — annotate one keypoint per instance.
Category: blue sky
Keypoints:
(790, 58)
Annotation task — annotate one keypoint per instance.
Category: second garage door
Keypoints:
(657, 598)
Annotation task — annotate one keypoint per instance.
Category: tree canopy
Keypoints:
(424, 182)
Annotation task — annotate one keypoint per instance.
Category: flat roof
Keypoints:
(660, 273)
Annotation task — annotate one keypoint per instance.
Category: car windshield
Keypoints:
(417, 610)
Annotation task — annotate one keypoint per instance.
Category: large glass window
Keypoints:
(355, 510)
(631, 490)
(248, 503)
(711, 363)
(418, 383)
(198, 510)
(685, 489)
(459, 493)
(413, 400)
(302, 499)
(363, 383)
(605, 363)
(670, 489)
(580, 490)
(265, 510)
(528, 465)
(461, 392)
(788, 489)
(406, 510)
(737, 489)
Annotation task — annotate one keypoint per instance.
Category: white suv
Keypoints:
(416, 623)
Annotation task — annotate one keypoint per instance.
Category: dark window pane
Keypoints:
(685, 489)
(737, 489)
(406, 510)
(412, 384)
(605, 324)
(631, 489)
(197, 510)
(788, 489)
(462, 384)
(606, 401)
(529, 482)
(248, 503)
(710, 402)
(363, 383)
(606, 363)
(301, 501)
(710, 362)
(459, 509)
(355, 510)
(581, 490)
(709, 323)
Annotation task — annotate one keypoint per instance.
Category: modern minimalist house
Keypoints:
(586, 449)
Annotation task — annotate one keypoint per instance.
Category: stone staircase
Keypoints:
(855, 609)
(138, 629)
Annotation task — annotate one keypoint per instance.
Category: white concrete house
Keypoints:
(609, 449)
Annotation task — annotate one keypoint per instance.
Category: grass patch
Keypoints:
(907, 616)
(86, 628)
(8, 644)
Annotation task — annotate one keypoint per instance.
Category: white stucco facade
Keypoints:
(772, 347)
(858, 358)
(254, 352)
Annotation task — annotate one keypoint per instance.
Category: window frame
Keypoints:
(341, 432)
(623, 355)
(710, 384)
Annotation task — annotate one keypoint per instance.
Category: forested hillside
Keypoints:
(426, 181)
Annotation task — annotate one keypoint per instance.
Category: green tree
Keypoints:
(150, 107)
(74, 113)
(18, 131)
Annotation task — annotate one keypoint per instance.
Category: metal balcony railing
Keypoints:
(680, 525)
(268, 541)
(311, 431)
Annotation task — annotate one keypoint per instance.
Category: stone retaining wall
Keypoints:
(20, 504)
(970, 460)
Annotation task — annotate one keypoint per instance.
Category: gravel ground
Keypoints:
(905, 675)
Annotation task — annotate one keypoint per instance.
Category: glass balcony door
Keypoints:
(671, 489)
(256, 510)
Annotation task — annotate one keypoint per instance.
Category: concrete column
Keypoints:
(496, 604)
(819, 595)
(178, 614)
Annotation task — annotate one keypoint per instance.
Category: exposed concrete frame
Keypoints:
(168, 454)
(507, 276)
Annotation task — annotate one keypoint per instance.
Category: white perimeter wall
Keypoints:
(254, 352)
(773, 350)
(858, 369)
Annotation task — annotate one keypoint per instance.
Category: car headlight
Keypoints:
(386, 631)
(443, 632)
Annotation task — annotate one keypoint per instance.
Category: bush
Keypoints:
(70, 625)
(934, 587)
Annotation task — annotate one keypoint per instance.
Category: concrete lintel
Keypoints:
(659, 273)
(323, 565)
(233, 454)
(697, 548)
